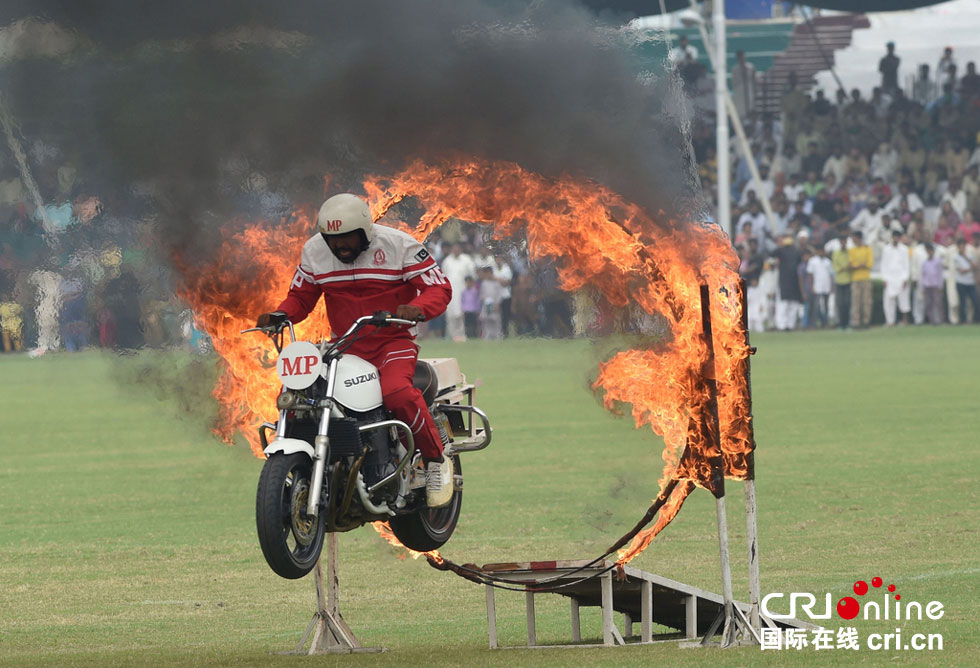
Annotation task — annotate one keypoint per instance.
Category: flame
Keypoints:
(612, 249)
(249, 271)
(384, 530)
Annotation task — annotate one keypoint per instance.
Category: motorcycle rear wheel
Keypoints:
(429, 529)
(291, 540)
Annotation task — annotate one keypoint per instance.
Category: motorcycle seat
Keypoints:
(426, 381)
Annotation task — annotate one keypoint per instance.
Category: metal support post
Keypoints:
(331, 635)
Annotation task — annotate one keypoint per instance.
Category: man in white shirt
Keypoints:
(955, 196)
(896, 270)
(457, 266)
(820, 273)
(793, 187)
(505, 276)
(835, 165)
(869, 222)
(682, 53)
(884, 163)
(767, 187)
(919, 256)
(914, 201)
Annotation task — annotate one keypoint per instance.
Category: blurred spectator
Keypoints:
(955, 196)
(792, 104)
(121, 296)
(835, 164)
(841, 262)
(524, 305)
(74, 314)
(968, 227)
(556, 310)
(812, 187)
(861, 259)
(470, 303)
(750, 268)
(793, 187)
(970, 82)
(11, 324)
(945, 233)
(683, 52)
(923, 87)
(788, 163)
(855, 164)
(946, 68)
(932, 286)
(755, 298)
(790, 300)
(888, 66)
(918, 255)
(884, 163)
(490, 298)
(805, 285)
(751, 224)
(869, 222)
(896, 272)
(504, 275)
(744, 82)
(912, 202)
(966, 286)
(820, 272)
(457, 266)
(812, 161)
(47, 310)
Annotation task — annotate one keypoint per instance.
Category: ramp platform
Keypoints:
(640, 596)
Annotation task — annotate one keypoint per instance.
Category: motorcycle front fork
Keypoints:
(320, 444)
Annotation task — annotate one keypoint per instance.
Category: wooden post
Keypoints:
(711, 429)
(331, 635)
(646, 611)
(729, 628)
(691, 616)
(752, 531)
(491, 617)
(608, 626)
(532, 635)
(576, 621)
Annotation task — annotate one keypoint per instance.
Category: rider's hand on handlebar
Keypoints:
(273, 319)
(409, 312)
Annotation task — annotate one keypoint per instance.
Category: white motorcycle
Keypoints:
(338, 460)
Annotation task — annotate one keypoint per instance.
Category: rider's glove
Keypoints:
(273, 319)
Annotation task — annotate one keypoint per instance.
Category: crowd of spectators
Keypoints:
(875, 201)
(496, 292)
(76, 264)
(79, 266)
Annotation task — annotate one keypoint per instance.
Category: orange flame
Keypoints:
(384, 530)
(598, 241)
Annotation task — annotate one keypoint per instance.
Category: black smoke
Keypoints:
(155, 95)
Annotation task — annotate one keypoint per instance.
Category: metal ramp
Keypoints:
(640, 596)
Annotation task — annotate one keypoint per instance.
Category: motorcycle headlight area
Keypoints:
(286, 400)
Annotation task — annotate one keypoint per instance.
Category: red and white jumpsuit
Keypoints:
(395, 269)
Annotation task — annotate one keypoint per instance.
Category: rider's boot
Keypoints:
(439, 483)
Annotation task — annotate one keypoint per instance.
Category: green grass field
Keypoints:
(127, 534)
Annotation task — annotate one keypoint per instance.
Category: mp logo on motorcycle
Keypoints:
(299, 365)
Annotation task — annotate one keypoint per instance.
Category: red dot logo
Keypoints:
(848, 607)
(875, 582)
(860, 587)
(891, 587)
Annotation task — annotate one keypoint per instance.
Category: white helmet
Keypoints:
(345, 213)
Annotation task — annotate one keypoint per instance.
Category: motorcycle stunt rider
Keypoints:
(361, 268)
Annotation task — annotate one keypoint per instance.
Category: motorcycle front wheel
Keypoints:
(430, 528)
(291, 540)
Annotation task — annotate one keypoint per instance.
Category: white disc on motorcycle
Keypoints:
(299, 364)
